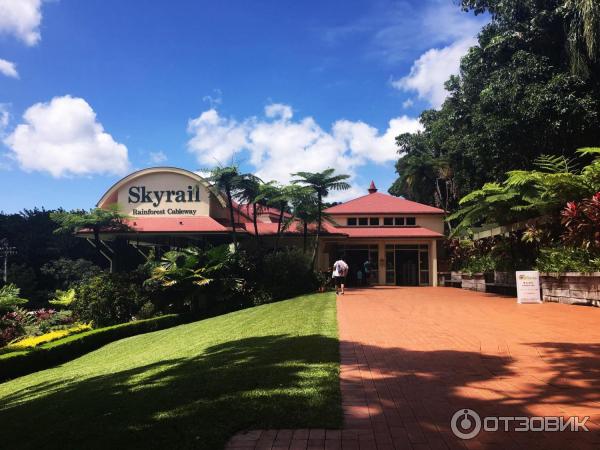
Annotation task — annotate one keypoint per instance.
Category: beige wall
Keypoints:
(434, 222)
(164, 181)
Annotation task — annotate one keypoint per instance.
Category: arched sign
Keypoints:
(163, 192)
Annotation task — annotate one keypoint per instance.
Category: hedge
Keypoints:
(18, 363)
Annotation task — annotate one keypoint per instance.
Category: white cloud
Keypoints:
(278, 110)
(4, 121)
(432, 69)
(64, 138)
(393, 30)
(21, 18)
(278, 146)
(407, 103)
(215, 139)
(435, 32)
(8, 68)
(158, 157)
(4, 118)
(365, 142)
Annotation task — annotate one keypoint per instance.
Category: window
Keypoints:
(374, 221)
(388, 221)
(411, 221)
(399, 221)
(351, 221)
(363, 221)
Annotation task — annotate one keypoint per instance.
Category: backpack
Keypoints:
(342, 268)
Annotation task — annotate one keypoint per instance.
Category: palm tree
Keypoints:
(248, 191)
(189, 270)
(304, 209)
(321, 183)
(582, 23)
(96, 220)
(278, 197)
(225, 179)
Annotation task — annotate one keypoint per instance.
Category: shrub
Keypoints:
(480, 264)
(9, 297)
(567, 259)
(20, 363)
(147, 311)
(108, 299)
(288, 273)
(34, 341)
(582, 223)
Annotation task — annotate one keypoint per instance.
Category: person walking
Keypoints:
(340, 270)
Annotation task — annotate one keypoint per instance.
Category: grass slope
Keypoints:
(192, 386)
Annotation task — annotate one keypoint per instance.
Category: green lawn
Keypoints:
(192, 386)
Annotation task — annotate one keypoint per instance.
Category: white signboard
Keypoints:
(528, 286)
(163, 194)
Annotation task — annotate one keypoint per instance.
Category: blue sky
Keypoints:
(93, 89)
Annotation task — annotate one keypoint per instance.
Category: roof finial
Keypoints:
(372, 188)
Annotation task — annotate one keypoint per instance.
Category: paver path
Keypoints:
(412, 357)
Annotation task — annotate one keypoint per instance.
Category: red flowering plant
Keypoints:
(581, 223)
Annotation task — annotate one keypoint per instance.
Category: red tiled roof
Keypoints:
(176, 224)
(265, 229)
(383, 232)
(378, 203)
(246, 211)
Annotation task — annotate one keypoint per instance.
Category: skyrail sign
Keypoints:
(140, 195)
(164, 194)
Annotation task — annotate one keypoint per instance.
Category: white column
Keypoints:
(433, 271)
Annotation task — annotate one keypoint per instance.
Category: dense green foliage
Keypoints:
(554, 210)
(530, 87)
(40, 248)
(191, 386)
(108, 299)
(10, 297)
(567, 259)
(526, 194)
(15, 364)
(288, 273)
(66, 272)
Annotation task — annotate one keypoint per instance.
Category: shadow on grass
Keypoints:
(292, 382)
(272, 381)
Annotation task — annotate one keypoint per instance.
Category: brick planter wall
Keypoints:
(571, 288)
(473, 282)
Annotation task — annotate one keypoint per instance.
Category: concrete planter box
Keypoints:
(473, 282)
(571, 288)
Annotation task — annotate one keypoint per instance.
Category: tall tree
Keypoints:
(248, 192)
(582, 22)
(521, 92)
(321, 183)
(278, 197)
(225, 179)
(304, 209)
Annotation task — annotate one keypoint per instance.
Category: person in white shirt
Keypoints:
(340, 270)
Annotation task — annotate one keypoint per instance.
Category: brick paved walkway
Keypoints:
(411, 357)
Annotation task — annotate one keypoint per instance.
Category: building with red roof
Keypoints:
(390, 240)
